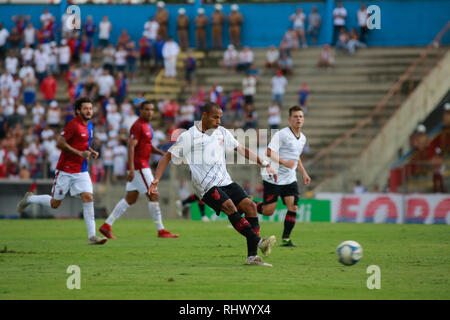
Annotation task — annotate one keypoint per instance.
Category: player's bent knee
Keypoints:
(55, 203)
(153, 197)
(228, 207)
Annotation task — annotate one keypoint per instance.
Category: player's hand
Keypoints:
(306, 179)
(94, 154)
(130, 175)
(153, 188)
(85, 154)
(289, 163)
(272, 173)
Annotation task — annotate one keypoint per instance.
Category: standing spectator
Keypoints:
(230, 58)
(132, 55)
(4, 34)
(169, 111)
(38, 112)
(108, 161)
(105, 85)
(190, 65)
(170, 53)
(113, 118)
(89, 28)
(362, 15)
(274, 113)
(354, 42)
(359, 188)
(420, 157)
(48, 88)
(14, 40)
(183, 28)
(235, 21)
(7, 103)
(64, 57)
(217, 19)
(445, 134)
(248, 88)
(53, 58)
(29, 89)
(251, 117)
(105, 28)
(289, 42)
(121, 86)
(339, 15)
(438, 167)
(186, 118)
(29, 35)
(201, 22)
(272, 57)
(145, 51)
(119, 161)
(303, 97)
(46, 17)
(246, 58)
(279, 84)
(54, 115)
(123, 40)
(109, 54)
(298, 19)
(159, 45)
(27, 54)
(151, 28)
(326, 58)
(41, 62)
(162, 17)
(26, 69)
(11, 63)
(86, 48)
(16, 87)
(120, 59)
(6, 81)
(314, 23)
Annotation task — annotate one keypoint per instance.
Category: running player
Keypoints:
(203, 147)
(72, 169)
(181, 205)
(139, 173)
(284, 150)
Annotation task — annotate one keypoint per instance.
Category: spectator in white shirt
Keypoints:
(274, 113)
(298, 19)
(105, 28)
(272, 57)
(25, 70)
(6, 81)
(170, 53)
(45, 18)
(279, 84)
(54, 115)
(339, 15)
(41, 61)
(230, 58)
(29, 35)
(248, 88)
(4, 34)
(27, 54)
(64, 56)
(38, 112)
(151, 28)
(105, 84)
(16, 87)
(361, 15)
(119, 160)
(245, 59)
(120, 59)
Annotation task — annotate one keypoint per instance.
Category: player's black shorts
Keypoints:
(273, 191)
(218, 195)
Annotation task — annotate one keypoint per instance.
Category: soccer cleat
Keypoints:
(256, 260)
(179, 207)
(24, 202)
(266, 244)
(105, 229)
(287, 243)
(166, 234)
(97, 240)
(205, 219)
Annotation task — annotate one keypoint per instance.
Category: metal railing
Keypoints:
(363, 133)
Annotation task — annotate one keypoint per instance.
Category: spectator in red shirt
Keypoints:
(48, 88)
(170, 110)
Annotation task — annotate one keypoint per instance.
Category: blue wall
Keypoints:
(402, 22)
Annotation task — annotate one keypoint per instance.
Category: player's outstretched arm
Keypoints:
(274, 156)
(162, 165)
(157, 151)
(254, 157)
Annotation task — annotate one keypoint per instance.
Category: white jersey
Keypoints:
(288, 147)
(205, 155)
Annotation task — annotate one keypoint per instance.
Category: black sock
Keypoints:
(243, 227)
(202, 208)
(259, 207)
(190, 199)
(254, 222)
(289, 223)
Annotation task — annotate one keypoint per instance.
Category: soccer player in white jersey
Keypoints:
(284, 151)
(203, 147)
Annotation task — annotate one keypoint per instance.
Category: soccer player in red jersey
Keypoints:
(139, 174)
(71, 170)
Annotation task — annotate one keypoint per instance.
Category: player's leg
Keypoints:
(120, 208)
(270, 197)
(201, 206)
(290, 198)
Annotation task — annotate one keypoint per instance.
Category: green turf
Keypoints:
(207, 262)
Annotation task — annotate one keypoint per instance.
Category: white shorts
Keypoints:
(141, 182)
(75, 182)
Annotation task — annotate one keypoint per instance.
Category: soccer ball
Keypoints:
(349, 252)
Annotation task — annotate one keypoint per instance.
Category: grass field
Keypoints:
(207, 262)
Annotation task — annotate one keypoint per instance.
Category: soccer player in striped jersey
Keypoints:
(72, 169)
(284, 151)
(203, 147)
(139, 173)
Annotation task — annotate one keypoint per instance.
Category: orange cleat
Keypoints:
(105, 229)
(166, 234)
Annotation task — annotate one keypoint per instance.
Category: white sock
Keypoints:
(89, 218)
(118, 211)
(155, 211)
(42, 200)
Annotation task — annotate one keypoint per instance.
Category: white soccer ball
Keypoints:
(349, 252)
